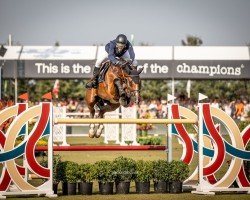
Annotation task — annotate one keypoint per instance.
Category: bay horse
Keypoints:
(106, 97)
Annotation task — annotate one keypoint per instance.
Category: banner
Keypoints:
(153, 69)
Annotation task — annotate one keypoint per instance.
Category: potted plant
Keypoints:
(161, 176)
(144, 172)
(105, 176)
(124, 169)
(71, 169)
(56, 168)
(86, 174)
(56, 178)
(178, 173)
(62, 176)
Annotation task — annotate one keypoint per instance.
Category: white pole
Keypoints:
(173, 86)
(10, 40)
(132, 39)
(16, 88)
(0, 82)
(200, 147)
(170, 152)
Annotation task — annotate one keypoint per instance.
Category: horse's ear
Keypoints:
(140, 70)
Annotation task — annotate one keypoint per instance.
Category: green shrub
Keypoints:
(124, 169)
(71, 169)
(243, 124)
(179, 171)
(87, 172)
(156, 140)
(62, 171)
(105, 171)
(56, 167)
(161, 170)
(144, 140)
(56, 163)
(149, 140)
(144, 171)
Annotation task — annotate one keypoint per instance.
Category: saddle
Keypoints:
(105, 66)
(121, 84)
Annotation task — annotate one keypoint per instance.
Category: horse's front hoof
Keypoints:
(99, 131)
(91, 133)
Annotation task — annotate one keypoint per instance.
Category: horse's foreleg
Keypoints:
(99, 130)
(100, 126)
(107, 108)
(92, 130)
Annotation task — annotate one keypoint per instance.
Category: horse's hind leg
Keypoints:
(91, 100)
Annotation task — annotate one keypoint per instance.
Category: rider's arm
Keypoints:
(110, 48)
(131, 51)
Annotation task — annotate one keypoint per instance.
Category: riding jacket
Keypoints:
(110, 48)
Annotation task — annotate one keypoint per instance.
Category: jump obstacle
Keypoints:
(210, 146)
(103, 148)
(111, 131)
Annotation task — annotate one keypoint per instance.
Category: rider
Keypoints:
(115, 49)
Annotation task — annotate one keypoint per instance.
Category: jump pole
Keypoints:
(123, 121)
(103, 148)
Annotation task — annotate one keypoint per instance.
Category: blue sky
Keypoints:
(156, 22)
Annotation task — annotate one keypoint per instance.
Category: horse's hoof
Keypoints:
(91, 133)
(99, 131)
(97, 135)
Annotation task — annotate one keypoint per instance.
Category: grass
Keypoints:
(151, 196)
(93, 156)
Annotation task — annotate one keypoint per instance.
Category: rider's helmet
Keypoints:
(121, 41)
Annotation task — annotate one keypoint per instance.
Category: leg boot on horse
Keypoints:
(94, 82)
(122, 94)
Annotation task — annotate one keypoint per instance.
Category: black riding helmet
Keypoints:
(121, 39)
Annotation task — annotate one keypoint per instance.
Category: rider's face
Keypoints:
(120, 47)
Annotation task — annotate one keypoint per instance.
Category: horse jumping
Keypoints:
(121, 86)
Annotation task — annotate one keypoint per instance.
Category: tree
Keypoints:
(143, 44)
(57, 44)
(154, 89)
(192, 41)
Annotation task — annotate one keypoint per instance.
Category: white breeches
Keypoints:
(104, 56)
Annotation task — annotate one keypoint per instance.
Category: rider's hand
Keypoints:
(130, 61)
(121, 63)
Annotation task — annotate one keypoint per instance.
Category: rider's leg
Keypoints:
(96, 71)
(94, 82)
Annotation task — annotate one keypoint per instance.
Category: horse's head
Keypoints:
(136, 86)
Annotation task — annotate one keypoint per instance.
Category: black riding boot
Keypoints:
(94, 82)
